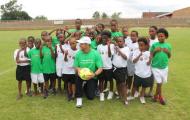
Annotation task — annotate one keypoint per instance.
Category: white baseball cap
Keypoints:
(84, 39)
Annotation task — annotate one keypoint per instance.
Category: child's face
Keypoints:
(100, 28)
(48, 41)
(161, 37)
(142, 46)
(38, 44)
(77, 35)
(78, 24)
(73, 43)
(22, 44)
(30, 43)
(134, 37)
(125, 32)
(105, 39)
(43, 35)
(152, 32)
(114, 26)
(61, 38)
(120, 42)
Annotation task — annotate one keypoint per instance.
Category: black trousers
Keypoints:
(89, 88)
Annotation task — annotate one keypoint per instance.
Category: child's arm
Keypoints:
(52, 31)
(167, 52)
(109, 50)
(66, 54)
(137, 58)
(158, 49)
(122, 54)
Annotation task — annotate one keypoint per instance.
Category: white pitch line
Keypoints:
(6, 71)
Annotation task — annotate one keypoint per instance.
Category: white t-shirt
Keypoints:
(21, 57)
(151, 42)
(118, 61)
(128, 40)
(141, 68)
(68, 65)
(132, 47)
(103, 50)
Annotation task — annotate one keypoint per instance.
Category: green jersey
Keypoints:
(48, 62)
(91, 60)
(160, 59)
(93, 44)
(36, 65)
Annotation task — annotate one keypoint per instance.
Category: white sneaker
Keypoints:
(101, 96)
(110, 95)
(79, 103)
(126, 103)
(136, 95)
(142, 99)
(116, 93)
(130, 98)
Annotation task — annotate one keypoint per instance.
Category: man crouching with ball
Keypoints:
(89, 59)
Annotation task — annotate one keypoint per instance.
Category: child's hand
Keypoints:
(66, 52)
(165, 50)
(49, 46)
(158, 49)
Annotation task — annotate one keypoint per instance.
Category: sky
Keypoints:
(84, 9)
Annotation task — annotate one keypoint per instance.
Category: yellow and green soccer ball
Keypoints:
(84, 73)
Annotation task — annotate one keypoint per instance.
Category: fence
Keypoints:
(24, 25)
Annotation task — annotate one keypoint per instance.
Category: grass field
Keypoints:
(57, 108)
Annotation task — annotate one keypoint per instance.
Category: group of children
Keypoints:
(133, 62)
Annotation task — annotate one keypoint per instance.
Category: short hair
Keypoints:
(135, 32)
(114, 20)
(144, 40)
(78, 19)
(164, 31)
(31, 37)
(154, 27)
(106, 32)
(101, 24)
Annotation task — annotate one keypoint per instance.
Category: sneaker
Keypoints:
(45, 94)
(162, 100)
(142, 100)
(19, 97)
(130, 98)
(155, 98)
(116, 93)
(110, 95)
(29, 94)
(136, 95)
(54, 91)
(126, 103)
(106, 90)
(101, 96)
(79, 103)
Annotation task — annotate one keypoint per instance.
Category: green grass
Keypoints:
(57, 108)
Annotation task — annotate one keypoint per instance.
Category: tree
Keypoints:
(104, 15)
(41, 17)
(116, 15)
(13, 11)
(96, 15)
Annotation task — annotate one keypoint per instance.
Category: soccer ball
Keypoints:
(84, 72)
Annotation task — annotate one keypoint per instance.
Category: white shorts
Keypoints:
(160, 75)
(59, 71)
(130, 68)
(37, 78)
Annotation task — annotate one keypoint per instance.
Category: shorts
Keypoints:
(70, 78)
(144, 82)
(37, 78)
(106, 75)
(120, 75)
(59, 72)
(160, 75)
(23, 73)
(130, 68)
(51, 76)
